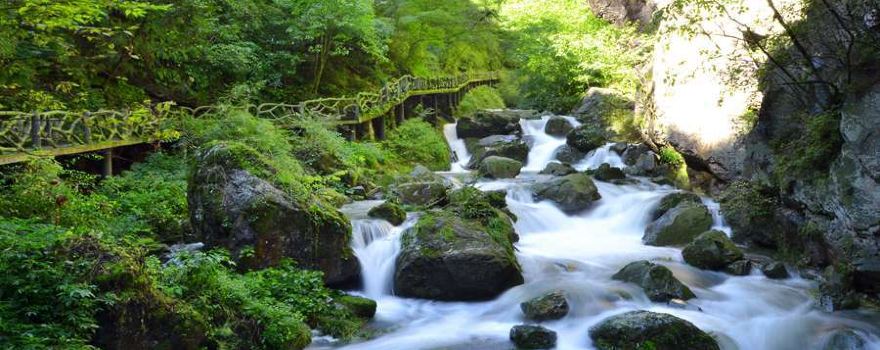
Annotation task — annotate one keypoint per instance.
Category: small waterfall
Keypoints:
(376, 243)
(599, 156)
(461, 156)
(717, 218)
(544, 146)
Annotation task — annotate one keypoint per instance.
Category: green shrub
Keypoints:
(808, 153)
(483, 97)
(669, 155)
(418, 142)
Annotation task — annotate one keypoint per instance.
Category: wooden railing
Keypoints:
(66, 132)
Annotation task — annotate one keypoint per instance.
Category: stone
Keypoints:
(679, 225)
(570, 155)
(232, 208)
(649, 330)
(572, 193)
(647, 164)
(775, 270)
(557, 126)
(633, 152)
(600, 104)
(672, 200)
(558, 169)
(845, 339)
(532, 337)
(388, 211)
(624, 12)
(586, 138)
(496, 167)
(739, 268)
(497, 145)
(606, 172)
(491, 122)
(711, 250)
(359, 306)
(427, 194)
(619, 147)
(550, 306)
(447, 257)
(656, 280)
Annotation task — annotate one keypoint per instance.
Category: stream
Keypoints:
(578, 254)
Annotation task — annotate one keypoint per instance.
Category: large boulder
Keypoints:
(586, 138)
(774, 270)
(507, 146)
(388, 211)
(599, 105)
(492, 122)
(232, 208)
(656, 280)
(422, 187)
(572, 193)
(448, 257)
(711, 250)
(649, 330)
(679, 225)
(606, 172)
(558, 169)
(532, 337)
(557, 126)
(568, 154)
(496, 167)
(550, 306)
(672, 200)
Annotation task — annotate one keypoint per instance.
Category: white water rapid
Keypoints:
(578, 254)
(461, 156)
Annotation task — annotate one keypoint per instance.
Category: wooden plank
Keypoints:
(55, 152)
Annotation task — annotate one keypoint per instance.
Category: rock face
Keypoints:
(557, 126)
(649, 330)
(679, 225)
(586, 138)
(232, 208)
(558, 169)
(388, 211)
(499, 167)
(447, 257)
(622, 12)
(550, 306)
(532, 337)
(606, 172)
(657, 281)
(507, 146)
(572, 193)
(672, 200)
(711, 250)
(492, 122)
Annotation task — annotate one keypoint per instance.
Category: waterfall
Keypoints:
(543, 146)
(376, 243)
(461, 156)
(599, 156)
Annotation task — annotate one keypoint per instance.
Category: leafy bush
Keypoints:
(482, 97)
(670, 156)
(418, 142)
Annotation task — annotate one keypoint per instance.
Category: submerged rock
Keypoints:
(572, 193)
(846, 339)
(532, 337)
(557, 126)
(447, 257)
(711, 250)
(649, 330)
(388, 211)
(656, 280)
(500, 167)
(679, 225)
(550, 306)
(775, 270)
(606, 172)
(586, 138)
(558, 169)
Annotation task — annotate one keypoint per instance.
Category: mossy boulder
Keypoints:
(572, 193)
(679, 225)
(672, 200)
(557, 126)
(532, 337)
(500, 167)
(152, 322)
(558, 169)
(711, 250)
(606, 172)
(649, 330)
(656, 280)
(570, 155)
(586, 138)
(446, 256)
(550, 306)
(358, 306)
(507, 146)
(752, 212)
(232, 208)
(491, 122)
(388, 211)
(774, 270)
(421, 187)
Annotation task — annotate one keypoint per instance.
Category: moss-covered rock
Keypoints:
(424, 194)
(448, 257)
(679, 225)
(550, 306)
(649, 330)
(491, 122)
(751, 211)
(711, 250)
(672, 200)
(358, 306)
(572, 193)
(557, 126)
(152, 321)
(507, 146)
(656, 280)
(388, 211)
(499, 167)
(586, 138)
(606, 172)
(532, 337)
(570, 155)
(558, 169)
(233, 208)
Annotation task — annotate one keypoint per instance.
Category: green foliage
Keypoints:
(418, 142)
(669, 155)
(471, 203)
(808, 153)
(483, 97)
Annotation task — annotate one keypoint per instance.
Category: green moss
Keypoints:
(806, 153)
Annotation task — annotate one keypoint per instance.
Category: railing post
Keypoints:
(36, 142)
(379, 127)
(108, 163)
(87, 127)
(401, 112)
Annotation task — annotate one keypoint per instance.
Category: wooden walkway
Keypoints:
(364, 116)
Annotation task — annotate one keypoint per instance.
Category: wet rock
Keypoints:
(679, 225)
(550, 306)
(672, 200)
(662, 180)
(447, 257)
(491, 122)
(388, 211)
(836, 289)
(570, 155)
(572, 193)
(775, 270)
(358, 192)
(601, 105)
(586, 138)
(558, 169)
(232, 208)
(499, 167)
(425, 194)
(606, 172)
(683, 305)
(846, 339)
(498, 145)
(656, 280)
(647, 164)
(619, 147)
(633, 152)
(359, 306)
(739, 268)
(557, 126)
(711, 250)
(649, 330)
(532, 337)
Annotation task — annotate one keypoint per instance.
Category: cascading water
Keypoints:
(458, 147)
(544, 147)
(577, 254)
